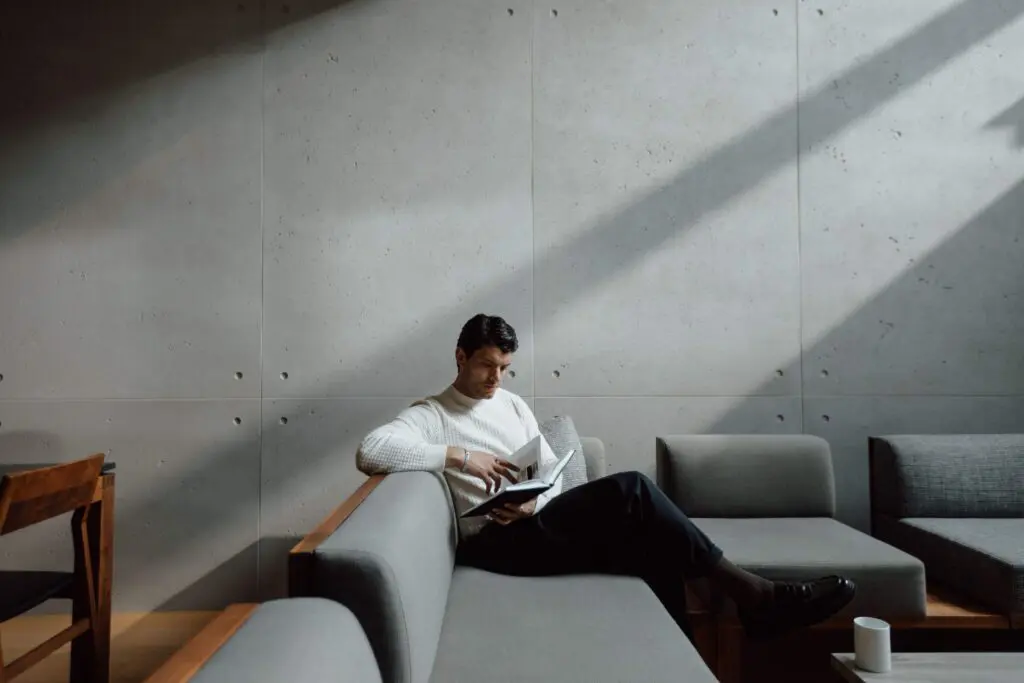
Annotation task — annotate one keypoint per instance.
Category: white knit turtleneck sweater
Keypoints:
(419, 436)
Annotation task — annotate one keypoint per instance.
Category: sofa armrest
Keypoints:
(300, 557)
(184, 664)
(390, 563)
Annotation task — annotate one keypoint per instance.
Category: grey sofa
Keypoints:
(392, 562)
(303, 640)
(956, 502)
(769, 502)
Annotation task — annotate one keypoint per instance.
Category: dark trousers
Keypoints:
(620, 524)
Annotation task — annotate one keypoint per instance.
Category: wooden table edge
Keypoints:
(842, 663)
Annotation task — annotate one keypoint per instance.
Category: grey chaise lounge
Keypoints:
(769, 502)
(956, 502)
(388, 555)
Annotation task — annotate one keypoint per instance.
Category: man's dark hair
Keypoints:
(487, 330)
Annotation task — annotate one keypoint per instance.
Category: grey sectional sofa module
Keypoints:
(392, 563)
(956, 502)
(294, 640)
(769, 502)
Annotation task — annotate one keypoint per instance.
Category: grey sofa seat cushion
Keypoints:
(560, 433)
(983, 558)
(569, 629)
(890, 582)
(948, 475)
(747, 475)
(299, 640)
(391, 562)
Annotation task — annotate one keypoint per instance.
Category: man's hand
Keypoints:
(511, 512)
(487, 467)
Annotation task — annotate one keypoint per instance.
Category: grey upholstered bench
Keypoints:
(304, 640)
(956, 502)
(769, 503)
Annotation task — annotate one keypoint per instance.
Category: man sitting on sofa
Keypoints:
(622, 523)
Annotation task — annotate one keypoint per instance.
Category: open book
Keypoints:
(525, 490)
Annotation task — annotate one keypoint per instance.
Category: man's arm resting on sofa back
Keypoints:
(406, 443)
(411, 442)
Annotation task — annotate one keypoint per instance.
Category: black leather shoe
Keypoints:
(797, 605)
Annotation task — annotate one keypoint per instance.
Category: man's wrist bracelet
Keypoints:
(465, 460)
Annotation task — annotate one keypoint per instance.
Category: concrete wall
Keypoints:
(235, 237)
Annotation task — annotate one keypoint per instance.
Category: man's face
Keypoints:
(480, 375)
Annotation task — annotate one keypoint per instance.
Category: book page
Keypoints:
(526, 459)
(551, 476)
(527, 485)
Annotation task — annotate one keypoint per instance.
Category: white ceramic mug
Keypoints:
(871, 646)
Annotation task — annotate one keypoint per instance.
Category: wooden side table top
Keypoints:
(939, 667)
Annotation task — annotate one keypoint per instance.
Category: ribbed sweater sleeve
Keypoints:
(408, 442)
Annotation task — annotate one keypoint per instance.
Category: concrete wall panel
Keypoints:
(628, 426)
(187, 496)
(397, 197)
(666, 251)
(130, 203)
(911, 214)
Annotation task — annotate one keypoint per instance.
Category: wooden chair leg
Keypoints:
(93, 533)
(3, 677)
(104, 533)
(83, 600)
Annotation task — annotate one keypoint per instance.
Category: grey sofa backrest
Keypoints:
(391, 563)
(593, 452)
(937, 475)
(727, 475)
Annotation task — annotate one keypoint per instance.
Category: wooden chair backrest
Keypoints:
(35, 495)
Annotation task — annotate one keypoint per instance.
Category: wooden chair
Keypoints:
(29, 495)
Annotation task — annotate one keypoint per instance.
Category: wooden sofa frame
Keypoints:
(184, 664)
(719, 637)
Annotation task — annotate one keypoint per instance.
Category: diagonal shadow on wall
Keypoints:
(957, 310)
(706, 186)
(728, 172)
(61, 63)
(1013, 120)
